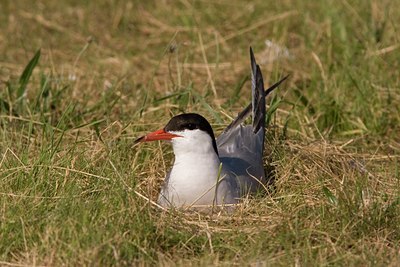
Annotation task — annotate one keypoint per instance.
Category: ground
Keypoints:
(81, 80)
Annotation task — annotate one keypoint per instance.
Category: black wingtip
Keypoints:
(258, 102)
(253, 62)
(275, 85)
(252, 58)
(246, 111)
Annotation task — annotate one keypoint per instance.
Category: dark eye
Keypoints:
(190, 126)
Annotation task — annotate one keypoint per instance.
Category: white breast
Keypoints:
(195, 173)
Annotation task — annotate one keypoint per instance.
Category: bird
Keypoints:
(209, 171)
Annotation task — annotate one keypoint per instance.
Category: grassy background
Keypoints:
(74, 189)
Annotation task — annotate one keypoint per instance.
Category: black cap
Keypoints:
(191, 121)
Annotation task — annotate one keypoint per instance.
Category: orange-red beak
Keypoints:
(157, 135)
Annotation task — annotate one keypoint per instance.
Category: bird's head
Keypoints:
(188, 132)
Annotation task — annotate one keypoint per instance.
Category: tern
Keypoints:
(209, 171)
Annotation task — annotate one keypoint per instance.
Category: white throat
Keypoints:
(193, 142)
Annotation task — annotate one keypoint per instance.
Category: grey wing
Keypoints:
(241, 147)
(241, 140)
(241, 154)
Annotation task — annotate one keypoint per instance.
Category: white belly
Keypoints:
(192, 181)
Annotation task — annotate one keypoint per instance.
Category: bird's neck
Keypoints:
(201, 165)
(195, 160)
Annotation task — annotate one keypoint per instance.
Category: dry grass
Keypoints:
(74, 190)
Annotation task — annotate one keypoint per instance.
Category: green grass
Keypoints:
(81, 80)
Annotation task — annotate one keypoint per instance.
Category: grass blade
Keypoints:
(331, 197)
(26, 74)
